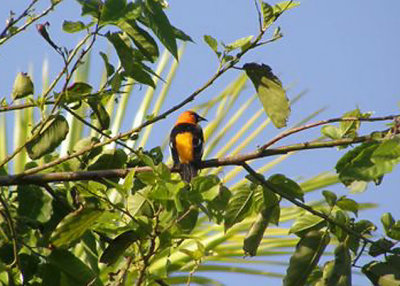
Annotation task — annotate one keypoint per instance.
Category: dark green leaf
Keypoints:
(90, 7)
(212, 43)
(131, 64)
(34, 203)
(159, 23)
(109, 159)
(118, 246)
(338, 272)
(99, 114)
(239, 206)
(113, 10)
(305, 258)
(207, 186)
(73, 27)
(50, 137)
(381, 246)
(384, 273)
(143, 41)
(29, 265)
(330, 198)
(307, 222)
(256, 232)
(347, 205)
(74, 225)
(270, 92)
(179, 34)
(287, 186)
(109, 67)
(73, 267)
(84, 143)
(77, 91)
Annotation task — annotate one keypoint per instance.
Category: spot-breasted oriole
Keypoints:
(186, 143)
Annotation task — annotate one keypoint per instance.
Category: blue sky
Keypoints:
(345, 53)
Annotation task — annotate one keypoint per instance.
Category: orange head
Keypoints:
(190, 117)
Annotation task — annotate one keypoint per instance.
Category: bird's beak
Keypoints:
(201, 118)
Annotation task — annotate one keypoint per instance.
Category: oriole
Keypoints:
(186, 143)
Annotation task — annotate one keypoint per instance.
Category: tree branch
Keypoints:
(32, 178)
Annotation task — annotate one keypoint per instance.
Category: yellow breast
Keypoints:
(184, 147)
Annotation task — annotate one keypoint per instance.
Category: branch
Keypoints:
(32, 178)
(323, 122)
(21, 106)
(29, 22)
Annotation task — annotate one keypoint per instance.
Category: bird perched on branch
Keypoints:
(186, 143)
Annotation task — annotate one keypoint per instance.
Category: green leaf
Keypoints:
(239, 206)
(118, 246)
(287, 186)
(241, 43)
(305, 258)
(307, 222)
(347, 205)
(109, 159)
(23, 86)
(73, 27)
(392, 227)
(218, 205)
(99, 114)
(331, 131)
(267, 13)
(283, 6)
(74, 225)
(330, 198)
(181, 35)
(271, 13)
(77, 91)
(256, 232)
(34, 203)
(270, 92)
(113, 10)
(29, 265)
(73, 267)
(381, 246)
(90, 7)
(212, 43)
(49, 138)
(131, 64)
(207, 186)
(139, 203)
(109, 67)
(369, 161)
(160, 25)
(341, 271)
(383, 273)
(143, 41)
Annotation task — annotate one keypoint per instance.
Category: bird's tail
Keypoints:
(188, 171)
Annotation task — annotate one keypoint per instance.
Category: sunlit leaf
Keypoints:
(270, 92)
(238, 206)
(73, 27)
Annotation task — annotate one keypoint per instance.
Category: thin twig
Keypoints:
(30, 21)
(323, 122)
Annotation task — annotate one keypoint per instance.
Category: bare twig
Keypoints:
(30, 22)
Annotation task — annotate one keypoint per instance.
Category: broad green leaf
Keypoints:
(287, 186)
(307, 222)
(181, 35)
(270, 92)
(256, 232)
(50, 137)
(84, 143)
(29, 265)
(90, 7)
(347, 204)
(109, 67)
(118, 246)
(306, 256)
(109, 159)
(369, 161)
(77, 91)
(159, 23)
(207, 186)
(143, 41)
(73, 226)
(331, 131)
(34, 204)
(73, 27)
(131, 64)
(381, 246)
(384, 273)
(349, 129)
(217, 206)
(267, 13)
(113, 10)
(283, 6)
(23, 86)
(392, 227)
(73, 267)
(362, 227)
(241, 43)
(188, 222)
(139, 204)
(211, 42)
(341, 271)
(239, 206)
(330, 197)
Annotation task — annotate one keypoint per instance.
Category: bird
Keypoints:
(186, 144)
